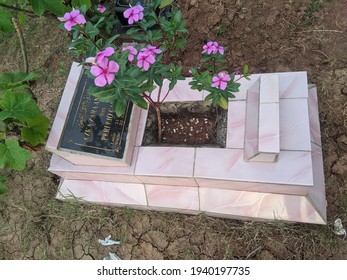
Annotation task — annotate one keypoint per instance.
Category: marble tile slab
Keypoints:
(314, 115)
(236, 125)
(177, 197)
(108, 193)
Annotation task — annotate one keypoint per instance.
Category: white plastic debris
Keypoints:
(108, 241)
(112, 257)
(338, 228)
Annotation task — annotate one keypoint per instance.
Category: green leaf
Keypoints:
(36, 132)
(56, 7)
(12, 155)
(119, 106)
(5, 21)
(11, 80)
(209, 97)
(245, 70)
(3, 188)
(165, 3)
(38, 7)
(223, 103)
(18, 105)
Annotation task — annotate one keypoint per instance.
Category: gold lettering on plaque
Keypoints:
(91, 120)
(106, 131)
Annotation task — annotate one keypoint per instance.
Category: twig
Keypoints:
(254, 252)
(321, 30)
(22, 44)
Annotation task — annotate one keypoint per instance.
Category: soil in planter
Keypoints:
(193, 124)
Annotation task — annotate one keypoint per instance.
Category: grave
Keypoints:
(270, 169)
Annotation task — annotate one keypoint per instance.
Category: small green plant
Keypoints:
(314, 7)
(21, 122)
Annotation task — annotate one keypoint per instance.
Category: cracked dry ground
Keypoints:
(270, 36)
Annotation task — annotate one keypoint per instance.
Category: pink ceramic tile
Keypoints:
(269, 89)
(109, 193)
(251, 146)
(253, 187)
(317, 195)
(294, 125)
(181, 92)
(236, 124)
(292, 168)
(293, 85)
(68, 170)
(230, 203)
(173, 181)
(63, 109)
(165, 161)
(141, 127)
(269, 128)
(173, 197)
(314, 115)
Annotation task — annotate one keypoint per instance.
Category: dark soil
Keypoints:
(192, 123)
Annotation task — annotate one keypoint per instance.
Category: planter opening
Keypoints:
(193, 124)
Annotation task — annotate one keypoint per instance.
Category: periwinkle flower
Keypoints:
(104, 72)
(134, 14)
(212, 48)
(101, 8)
(132, 52)
(220, 81)
(73, 18)
(105, 53)
(146, 57)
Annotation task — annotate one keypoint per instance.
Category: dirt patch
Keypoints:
(189, 123)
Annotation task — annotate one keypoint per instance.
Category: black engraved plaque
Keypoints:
(92, 126)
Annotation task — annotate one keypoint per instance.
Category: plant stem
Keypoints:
(157, 110)
(22, 44)
(18, 9)
(85, 34)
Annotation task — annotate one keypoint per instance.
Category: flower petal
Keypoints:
(226, 78)
(80, 19)
(128, 12)
(139, 63)
(113, 67)
(215, 84)
(100, 81)
(104, 63)
(110, 78)
(215, 79)
(109, 51)
(67, 16)
(95, 70)
(223, 85)
(146, 65)
(150, 59)
(69, 24)
(131, 20)
(74, 13)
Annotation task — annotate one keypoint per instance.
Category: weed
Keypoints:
(220, 30)
(314, 7)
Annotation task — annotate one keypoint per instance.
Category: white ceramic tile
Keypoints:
(269, 89)
(173, 181)
(269, 128)
(141, 127)
(109, 193)
(165, 161)
(173, 197)
(236, 124)
(254, 187)
(314, 115)
(294, 125)
(258, 205)
(292, 168)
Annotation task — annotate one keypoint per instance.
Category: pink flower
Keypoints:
(145, 59)
(134, 14)
(132, 53)
(104, 72)
(212, 47)
(101, 8)
(221, 80)
(151, 50)
(107, 52)
(73, 18)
